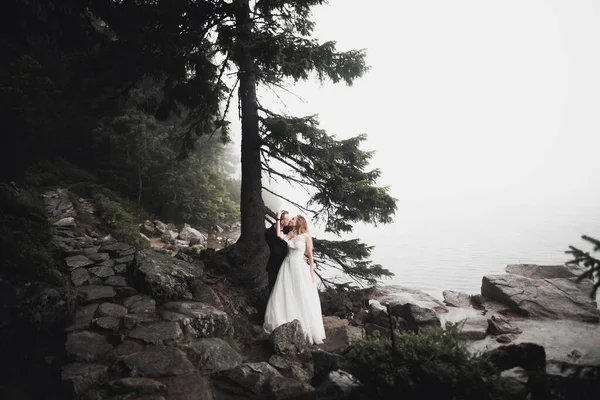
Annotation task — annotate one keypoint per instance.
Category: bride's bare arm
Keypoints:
(309, 252)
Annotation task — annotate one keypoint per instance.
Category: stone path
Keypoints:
(120, 344)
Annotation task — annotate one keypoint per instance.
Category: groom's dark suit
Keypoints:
(278, 251)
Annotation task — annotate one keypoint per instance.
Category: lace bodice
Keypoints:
(297, 246)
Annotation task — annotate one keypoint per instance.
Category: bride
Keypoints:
(295, 294)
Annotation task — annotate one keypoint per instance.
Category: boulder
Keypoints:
(79, 261)
(338, 385)
(140, 303)
(157, 361)
(86, 346)
(456, 299)
(534, 271)
(169, 236)
(117, 249)
(395, 294)
(158, 332)
(282, 388)
(79, 276)
(474, 327)
(415, 318)
(290, 368)
(112, 310)
(247, 379)
(213, 355)
(79, 377)
(498, 325)
(164, 277)
(198, 320)
(96, 292)
(325, 362)
(288, 339)
(343, 338)
(333, 324)
(558, 298)
(137, 385)
(191, 236)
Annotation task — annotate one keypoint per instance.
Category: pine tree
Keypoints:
(585, 259)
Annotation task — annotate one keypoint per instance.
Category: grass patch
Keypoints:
(119, 214)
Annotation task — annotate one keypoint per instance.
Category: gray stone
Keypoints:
(338, 385)
(157, 332)
(289, 339)
(129, 347)
(79, 276)
(79, 261)
(117, 249)
(557, 298)
(213, 355)
(79, 377)
(120, 268)
(324, 363)
(125, 292)
(99, 257)
(456, 299)
(534, 271)
(415, 318)
(83, 317)
(189, 387)
(140, 303)
(136, 385)
(96, 292)
(114, 280)
(108, 323)
(498, 325)
(106, 263)
(66, 222)
(164, 277)
(395, 294)
(199, 320)
(474, 327)
(127, 260)
(158, 361)
(290, 368)
(246, 379)
(101, 272)
(282, 388)
(203, 293)
(94, 280)
(130, 321)
(88, 346)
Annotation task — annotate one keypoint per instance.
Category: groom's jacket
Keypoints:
(277, 246)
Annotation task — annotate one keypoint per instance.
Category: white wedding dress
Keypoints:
(295, 296)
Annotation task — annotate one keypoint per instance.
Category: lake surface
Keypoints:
(434, 248)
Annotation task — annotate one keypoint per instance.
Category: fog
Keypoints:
(478, 111)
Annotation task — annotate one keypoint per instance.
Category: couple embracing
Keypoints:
(292, 284)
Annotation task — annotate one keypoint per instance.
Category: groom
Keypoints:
(277, 246)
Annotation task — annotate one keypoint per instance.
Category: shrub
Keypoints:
(120, 215)
(26, 248)
(434, 364)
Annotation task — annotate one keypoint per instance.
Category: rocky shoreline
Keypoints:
(165, 323)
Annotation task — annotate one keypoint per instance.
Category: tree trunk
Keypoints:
(251, 244)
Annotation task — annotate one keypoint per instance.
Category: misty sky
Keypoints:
(472, 106)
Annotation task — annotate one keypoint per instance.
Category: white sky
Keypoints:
(475, 104)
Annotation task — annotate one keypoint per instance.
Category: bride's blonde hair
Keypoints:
(301, 225)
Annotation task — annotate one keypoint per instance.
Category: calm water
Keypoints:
(453, 247)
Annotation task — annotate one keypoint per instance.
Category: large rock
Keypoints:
(289, 339)
(89, 346)
(498, 325)
(191, 235)
(415, 318)
(559, 298)
(474, 327)
(189, 387)
(157, 361)
(290, 368)
(213, 355)
(164, 277)
(198, 320)
(324, 363)
(164, 332)
(96, 292)
(282, 388)
(79, 377)
(395, 294)
(341, 339)
(247, 379)
(338, 385)
(140, 303)
(456, 299)
(534, 271)
(79, 261)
